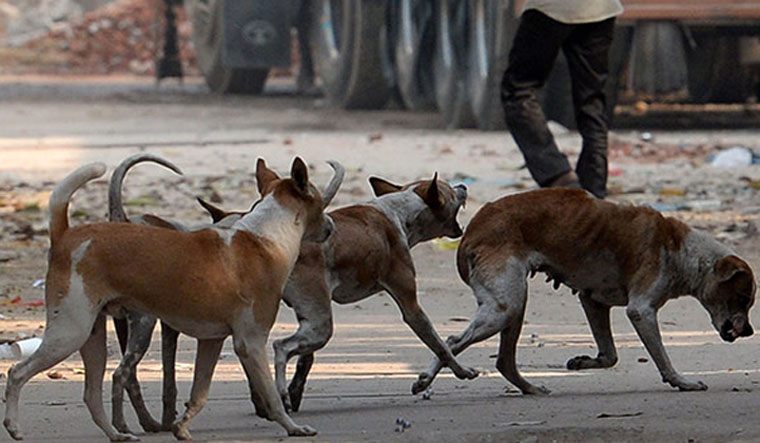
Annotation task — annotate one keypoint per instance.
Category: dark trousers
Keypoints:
(534, 50)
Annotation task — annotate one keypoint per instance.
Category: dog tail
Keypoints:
(59, 199)
(115, 208)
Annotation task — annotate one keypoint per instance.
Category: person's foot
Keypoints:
(567, 180)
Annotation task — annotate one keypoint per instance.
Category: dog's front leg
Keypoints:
(644, 318)
(402, 287)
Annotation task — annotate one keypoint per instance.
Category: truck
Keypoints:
(449, 55)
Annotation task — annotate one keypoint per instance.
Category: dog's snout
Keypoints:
(727, 332)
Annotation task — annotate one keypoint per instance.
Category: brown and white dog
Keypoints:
(208, 284)
(614, 255)
(368, 253)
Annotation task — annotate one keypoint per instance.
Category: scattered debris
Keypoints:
(402, 424)
(427, 394)
(446, 244)
(526, 423)
(376, 137)
(738, 389)
(619, 415)
(55, 403)
(54, 374)
(643, 360)
(459, 319)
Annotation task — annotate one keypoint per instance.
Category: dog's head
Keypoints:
(728, 294)
(442, 201)
(301, 197)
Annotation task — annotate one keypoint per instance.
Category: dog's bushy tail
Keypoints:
(59, 199)
(115, 208)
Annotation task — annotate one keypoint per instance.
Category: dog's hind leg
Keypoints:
(310, 299)
(506, 362)
(298, 383)
(93, 354)
(62, 338)
(496, 297)
(250, 347)
(140, 332)
(205, 362)
(598, 316)
(169, 337)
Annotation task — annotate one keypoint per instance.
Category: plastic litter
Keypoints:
(732, 157)
(25, 348)
(444, 244)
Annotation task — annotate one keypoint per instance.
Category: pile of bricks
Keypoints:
(120, 37)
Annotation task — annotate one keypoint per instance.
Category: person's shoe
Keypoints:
(566, 180)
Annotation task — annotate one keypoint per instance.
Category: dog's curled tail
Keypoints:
(59, 199)
(115, 208)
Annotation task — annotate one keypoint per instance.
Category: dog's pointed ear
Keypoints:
(432, 196)
(300, 173)
(264, 175)
(215, 212)
(382, 187)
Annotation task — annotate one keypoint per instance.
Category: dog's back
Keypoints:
(566, 227)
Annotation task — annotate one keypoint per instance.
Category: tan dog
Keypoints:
(208, 284)
(614, 255)
(369, 252)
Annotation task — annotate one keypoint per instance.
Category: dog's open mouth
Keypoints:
(730, 332)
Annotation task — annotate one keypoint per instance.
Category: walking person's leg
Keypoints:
(587, 52)
(534, 50)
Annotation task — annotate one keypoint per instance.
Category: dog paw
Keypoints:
(302, 431)
(686, 385)
(148, 425)
(122, 427)
(124, 437)
(12, 430)
(581, 362)
(467, 373)
(422, 383)
(181, 433)
(536, 390)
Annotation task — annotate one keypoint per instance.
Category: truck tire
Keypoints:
(724, 79)
(413, 38)
(449, 62)
(350, 46)
(660, 47)
(490, 30)
(208, 39)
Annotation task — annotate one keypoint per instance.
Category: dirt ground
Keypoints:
(360, 384)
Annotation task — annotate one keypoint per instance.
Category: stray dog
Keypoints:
(208, 284)
(368, 253)
(614, 255)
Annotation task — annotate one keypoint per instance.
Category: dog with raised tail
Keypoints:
(613, 255)
(207, 284)
(369, 252)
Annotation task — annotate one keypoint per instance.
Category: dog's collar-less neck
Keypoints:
(402, 208)
(272, 221)
(699, 266)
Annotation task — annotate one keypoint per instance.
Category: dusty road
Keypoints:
(360, 382)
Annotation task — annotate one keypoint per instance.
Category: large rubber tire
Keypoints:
(449, 64)
(208, 38)
(490, 30)
(723, 80)
(659, 58)
(350, 46)
(413, 38)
